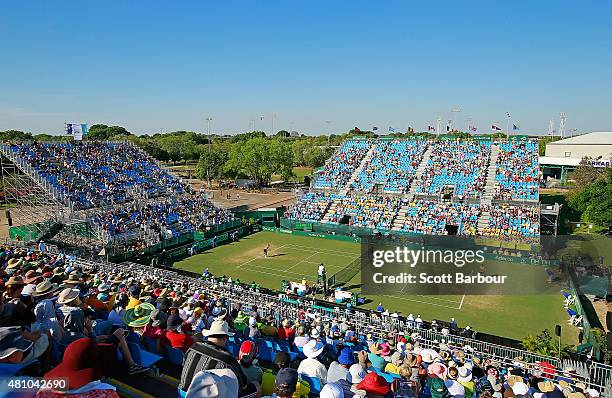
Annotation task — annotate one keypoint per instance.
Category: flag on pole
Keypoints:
(431, 128)
(515, 127)
(391, 129)
(496, 128)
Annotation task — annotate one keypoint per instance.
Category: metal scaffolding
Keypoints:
(33, 205)
(30, 204)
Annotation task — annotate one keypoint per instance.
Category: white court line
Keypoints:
(301, 261)
(418, 301)
(255, 258)
(275, 274)
(323, 251)
(333, 267)
(276, 269)
(437, 298)
(461, 304)
(463, 298)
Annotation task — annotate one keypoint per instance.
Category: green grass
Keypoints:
(300, 172)
(297, 257)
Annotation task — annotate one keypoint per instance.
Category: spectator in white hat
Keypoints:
(311, 366)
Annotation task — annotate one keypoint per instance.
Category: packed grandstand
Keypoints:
(482, 187)
(106, 327)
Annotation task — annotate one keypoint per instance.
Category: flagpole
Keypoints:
(507, 125)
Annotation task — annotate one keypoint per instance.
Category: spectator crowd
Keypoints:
(517, 175)
(340, 167)
(92, 174)
(460, 163)
(163, 218)
(61, 317)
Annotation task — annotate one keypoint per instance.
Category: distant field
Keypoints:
(300, 173)
(297, 257)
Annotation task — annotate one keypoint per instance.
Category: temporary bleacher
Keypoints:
(431, 177)
(90, 174)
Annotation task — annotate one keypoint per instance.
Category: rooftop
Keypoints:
(595, 138)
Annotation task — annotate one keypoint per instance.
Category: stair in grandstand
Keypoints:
(398, 221)
(365, 161)
(489, 189)
(483, 220)
(419, 171)
(334, 204)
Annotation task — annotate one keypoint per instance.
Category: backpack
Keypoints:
(207, 356)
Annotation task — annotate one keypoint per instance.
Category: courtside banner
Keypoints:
(450, 265)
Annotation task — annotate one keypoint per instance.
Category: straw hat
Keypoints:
(14, 262)
(73, 279)
(43, 288)
(68, 295)
(14, 281)
(31, 277)
(218, 327)
(546, 386)
(514, 379)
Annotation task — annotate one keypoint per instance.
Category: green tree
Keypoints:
(594, 199)
(259, 158)
(545, 344)
(151, 147)
(211, 164)
(171, 144)
(298, 148)
(104, 132)
(15, 135)
(316, 156)
(49, 137)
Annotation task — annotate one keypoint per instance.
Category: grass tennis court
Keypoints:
(297, 257)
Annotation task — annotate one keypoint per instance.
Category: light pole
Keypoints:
(455, 111)
(208, 120)
(261, 118)
(328, 122)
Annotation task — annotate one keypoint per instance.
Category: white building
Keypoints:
(564, 155)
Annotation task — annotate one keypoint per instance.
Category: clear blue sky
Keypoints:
(167, 65)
